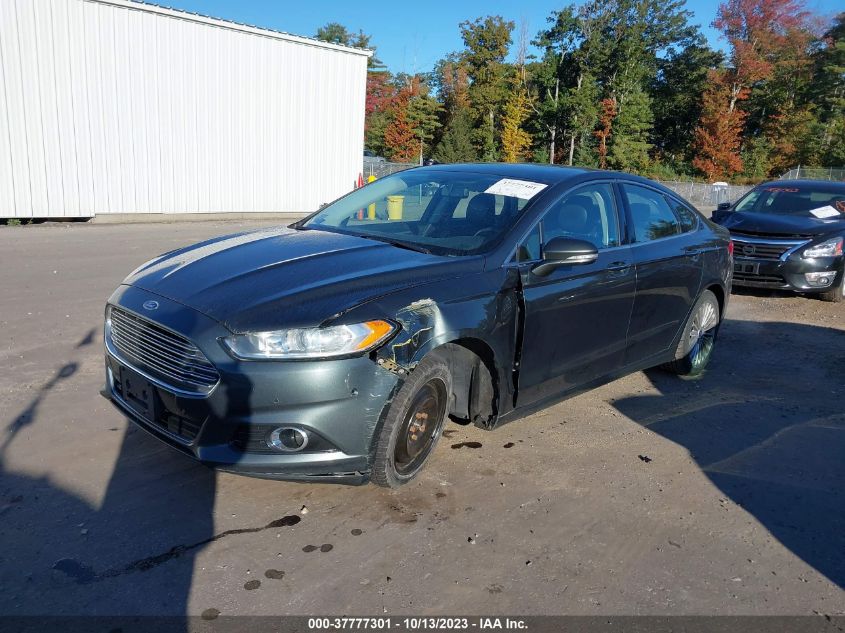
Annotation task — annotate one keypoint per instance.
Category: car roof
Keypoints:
(523, 171)
(818, 185)
(549, 174)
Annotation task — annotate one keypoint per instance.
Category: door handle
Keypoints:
(618, 267)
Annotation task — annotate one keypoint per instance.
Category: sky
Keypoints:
(412, 36)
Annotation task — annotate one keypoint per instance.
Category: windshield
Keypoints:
(441, 212)
(819, 202)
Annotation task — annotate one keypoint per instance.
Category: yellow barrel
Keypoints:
(394, 207)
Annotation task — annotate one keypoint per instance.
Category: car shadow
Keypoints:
(766, 424)
(773, 293)
(126, 549)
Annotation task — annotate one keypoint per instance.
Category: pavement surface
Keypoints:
(650, 495)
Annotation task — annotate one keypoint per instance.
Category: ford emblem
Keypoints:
(150, 305)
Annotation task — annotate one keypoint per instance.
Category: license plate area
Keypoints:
(139, 395)
(747, 268)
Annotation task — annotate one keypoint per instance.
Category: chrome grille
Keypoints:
(168, 355)
(770, 249)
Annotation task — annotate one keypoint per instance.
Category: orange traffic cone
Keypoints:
(360, 184)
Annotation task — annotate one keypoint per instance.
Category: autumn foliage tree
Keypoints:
(628, 84)
(761, 33)
(516, 142)
(608, 113)
(399, 135)
(718, 136)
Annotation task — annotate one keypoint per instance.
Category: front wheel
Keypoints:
(413, 424)
(698, 338)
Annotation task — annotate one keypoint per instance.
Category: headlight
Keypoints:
(830, 248)
(318, 342)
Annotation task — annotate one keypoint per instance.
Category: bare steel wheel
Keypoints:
(699, 337)
(412, 424)
(421, 427)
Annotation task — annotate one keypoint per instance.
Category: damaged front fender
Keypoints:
(478, 314)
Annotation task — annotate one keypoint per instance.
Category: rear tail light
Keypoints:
(731, 248)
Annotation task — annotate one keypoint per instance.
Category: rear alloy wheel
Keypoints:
(835, 295)
(413, 424)
(698, 339)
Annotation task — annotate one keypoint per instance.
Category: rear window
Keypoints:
(821, 202)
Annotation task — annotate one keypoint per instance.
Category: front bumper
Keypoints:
(787, 274)
(337, 402)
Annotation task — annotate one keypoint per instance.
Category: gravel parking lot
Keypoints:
(650, 495)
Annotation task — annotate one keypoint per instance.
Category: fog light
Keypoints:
(288, 439)
(819, 279)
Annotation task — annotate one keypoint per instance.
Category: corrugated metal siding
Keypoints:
(108, 106)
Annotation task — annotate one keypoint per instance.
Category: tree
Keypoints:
(566, 76)
(824, 143)
(423, 113)
(719, 135)
(638, 32)
(456, 145)
(756, 30)
(515, 140)
(337, 33)
(450, 80)
(486, 41)
(399, 134)
(676, 88)
(762, 35)
(608, 112)
(630, 147)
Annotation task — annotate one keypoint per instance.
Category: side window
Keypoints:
(651, 215)
(686, 216)
(588, 213)
(529, 250)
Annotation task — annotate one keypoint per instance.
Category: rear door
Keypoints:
(667, 255)
(576, 317)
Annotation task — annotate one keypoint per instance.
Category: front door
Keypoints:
(576, 317)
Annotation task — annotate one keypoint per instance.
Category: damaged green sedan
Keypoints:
(337, 348)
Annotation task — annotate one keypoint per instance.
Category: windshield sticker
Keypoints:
(826, 211)
(782, 190)
(516, 188)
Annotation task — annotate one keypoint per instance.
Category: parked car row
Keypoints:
(336, 349)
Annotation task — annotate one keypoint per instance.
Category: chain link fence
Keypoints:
(815, 173)
(384, 168)
(704, 195)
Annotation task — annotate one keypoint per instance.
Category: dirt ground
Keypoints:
(650, 495)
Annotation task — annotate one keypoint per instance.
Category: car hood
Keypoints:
(780, 225)
(275, 278)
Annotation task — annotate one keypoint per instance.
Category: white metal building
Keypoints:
(114, 106)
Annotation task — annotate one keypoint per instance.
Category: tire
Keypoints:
(835, 295)
(413, 424)
(696, 345)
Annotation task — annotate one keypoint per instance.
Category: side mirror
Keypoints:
(565, 250)
(723, 206)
